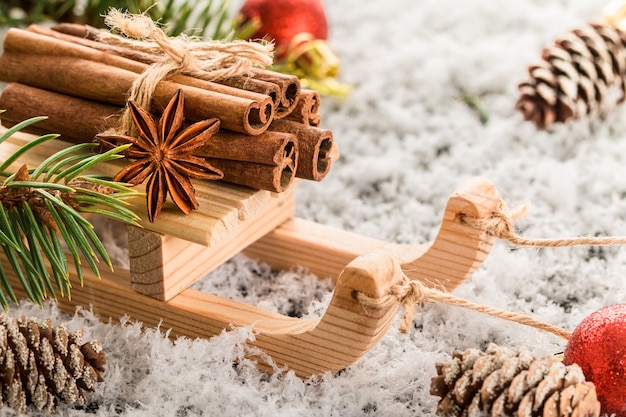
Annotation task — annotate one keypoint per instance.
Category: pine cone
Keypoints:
(575, 75)
(499, 382)
(41, 365)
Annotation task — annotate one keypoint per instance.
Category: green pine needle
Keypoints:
(69, 241)
(31, 257)
(57, 157)
(207, 19)
(43, 240)
(78, 227)
(77, 169)
(6, 240)
(40, 255)
(83, 244)
(475, 104)
(42, 231)
(50, 172)
(120, 187)
(62, 281)
(23, 149)
(37, 184)
(18, 127)
(6, 285)
(17, 269)
(23, 264)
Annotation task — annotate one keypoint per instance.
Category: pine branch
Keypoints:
(204, 18)
(40, 216)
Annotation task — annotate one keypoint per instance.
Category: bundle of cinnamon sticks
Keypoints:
(269, 131)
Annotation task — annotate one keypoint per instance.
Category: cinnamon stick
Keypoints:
(283, 88)
(267, 161)
(118, 56)
(254, 85)
(267, 148)
(76, 119)
(274, 158)
(314, 148)
(315, 120)
(86, 36)
(289, 89)
(307, 108)
(109, 84)
(42, 41)
(260, 81)
(276, 178)
(78, 30)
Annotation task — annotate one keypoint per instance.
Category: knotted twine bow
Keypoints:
(207, 60)
(410, 293)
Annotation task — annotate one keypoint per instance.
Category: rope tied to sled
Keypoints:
(410, 294)
(501, 224)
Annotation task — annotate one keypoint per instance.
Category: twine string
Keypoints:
(207, 60)
(501, 225)
(216, 60)
(410, 293)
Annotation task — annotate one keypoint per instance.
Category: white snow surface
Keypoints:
(407, 142)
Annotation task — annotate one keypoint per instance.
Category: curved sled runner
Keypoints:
(155, 289)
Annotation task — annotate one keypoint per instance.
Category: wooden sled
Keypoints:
(170, 255)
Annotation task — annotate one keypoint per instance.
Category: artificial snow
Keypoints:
(407, 140)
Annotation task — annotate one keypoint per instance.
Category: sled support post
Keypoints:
(162, 266)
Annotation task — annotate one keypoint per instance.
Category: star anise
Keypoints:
(163, 155)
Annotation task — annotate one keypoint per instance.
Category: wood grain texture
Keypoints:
(222, 206)
(345, 332)
(454, 255)
(162, 266)
(308, 346)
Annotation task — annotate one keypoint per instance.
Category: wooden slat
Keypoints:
(222, 208)
(456, 252)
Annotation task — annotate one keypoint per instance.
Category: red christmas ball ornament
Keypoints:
(283, 20)
(299, 29)
(598, 346)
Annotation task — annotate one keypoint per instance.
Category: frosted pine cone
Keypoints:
(575, 75)
(41, 365)
(499, 382)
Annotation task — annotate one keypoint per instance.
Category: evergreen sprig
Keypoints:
(41, 221)
(204, 18)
